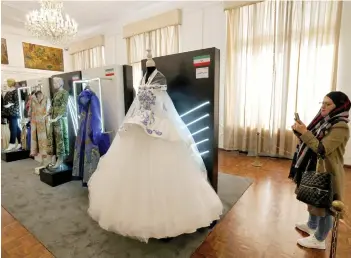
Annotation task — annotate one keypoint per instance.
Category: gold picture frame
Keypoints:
(4, 54)
(43, 57)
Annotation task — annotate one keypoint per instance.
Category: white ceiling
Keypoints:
(92, 16)
(88, 14)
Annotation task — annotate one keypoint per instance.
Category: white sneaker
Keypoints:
(311, 242)
(305, 228)
(11, 147)
(19, 146)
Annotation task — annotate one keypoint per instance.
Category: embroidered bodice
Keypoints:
(59, 104)
(150, 109)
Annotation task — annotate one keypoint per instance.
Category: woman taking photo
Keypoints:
(326, 137)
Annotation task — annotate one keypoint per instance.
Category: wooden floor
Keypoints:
(260, 225)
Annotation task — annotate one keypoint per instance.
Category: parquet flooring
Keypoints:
(17, 242)
(260, 225)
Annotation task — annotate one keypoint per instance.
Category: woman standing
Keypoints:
(327, 135)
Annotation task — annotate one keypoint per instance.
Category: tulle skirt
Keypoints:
(147, 187)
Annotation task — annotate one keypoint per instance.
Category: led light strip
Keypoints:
(205, 140)
(195, 108)
(199, 131)
(73, 114)
(203, 153)
(198, 119)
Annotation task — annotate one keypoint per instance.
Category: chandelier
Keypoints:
(49, 23)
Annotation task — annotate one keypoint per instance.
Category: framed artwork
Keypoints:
(4, 55)
(42, 57)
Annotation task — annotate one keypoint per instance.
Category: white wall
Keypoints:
(206, 27)
(15, 69)
(201, 28)
(344, 74)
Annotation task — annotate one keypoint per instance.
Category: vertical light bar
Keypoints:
(100, 98)
(19, 102)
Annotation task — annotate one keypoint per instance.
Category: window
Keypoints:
(281, 58)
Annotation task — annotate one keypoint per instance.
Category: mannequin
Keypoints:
(150, 65)
(11, 112)
(38, 109)
(59, 123)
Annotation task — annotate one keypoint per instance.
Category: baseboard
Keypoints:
(246, 153)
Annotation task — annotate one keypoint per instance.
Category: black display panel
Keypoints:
(193, 85)
(68, 79)
(128, 86)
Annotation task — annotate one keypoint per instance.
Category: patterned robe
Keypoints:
(59, 129)
(39, 126)
(87, 155)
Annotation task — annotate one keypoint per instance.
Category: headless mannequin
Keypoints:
(150, 65)
(58, 86)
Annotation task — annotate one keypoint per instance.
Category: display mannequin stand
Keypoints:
(14, 155)
(43, 164)
(56, 176)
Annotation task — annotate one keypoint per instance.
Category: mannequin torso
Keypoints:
(149, 71)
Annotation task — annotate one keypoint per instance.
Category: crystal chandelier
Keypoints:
(50, 23)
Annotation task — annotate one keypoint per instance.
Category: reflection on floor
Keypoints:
(260, 225)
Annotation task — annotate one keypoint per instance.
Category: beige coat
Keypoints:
(334, 144)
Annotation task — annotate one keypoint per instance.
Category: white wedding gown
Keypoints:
(152, 183)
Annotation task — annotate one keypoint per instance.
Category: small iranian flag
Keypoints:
(109, 72)
(202, 60)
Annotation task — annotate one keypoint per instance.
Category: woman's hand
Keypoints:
(299, 127)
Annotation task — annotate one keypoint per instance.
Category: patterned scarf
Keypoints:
(304, 158)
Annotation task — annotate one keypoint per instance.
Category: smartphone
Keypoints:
(297, 117)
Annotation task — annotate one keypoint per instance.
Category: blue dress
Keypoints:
(89, 137)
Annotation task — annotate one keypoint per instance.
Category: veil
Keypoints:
(154, 106)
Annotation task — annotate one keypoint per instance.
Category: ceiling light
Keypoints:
(50, 23)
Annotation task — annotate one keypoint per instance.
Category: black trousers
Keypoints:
(15, 130)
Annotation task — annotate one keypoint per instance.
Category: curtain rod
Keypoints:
(242, 5)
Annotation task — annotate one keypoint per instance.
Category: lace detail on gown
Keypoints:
(149, 109)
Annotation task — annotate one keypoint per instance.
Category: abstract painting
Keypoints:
(4, 55)
(42, 57)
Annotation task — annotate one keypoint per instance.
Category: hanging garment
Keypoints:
(5, 136)
(152, 182)
(29, 136)
(86, 154)
(5, 130)
(24, 134)
(58, 136)
(39, 126)
(27, 106)
(3, 116)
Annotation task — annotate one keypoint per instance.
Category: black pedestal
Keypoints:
(55, 177)
(14, 155)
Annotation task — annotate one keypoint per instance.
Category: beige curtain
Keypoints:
(89, 58)
(164, 41)
(281, 59)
